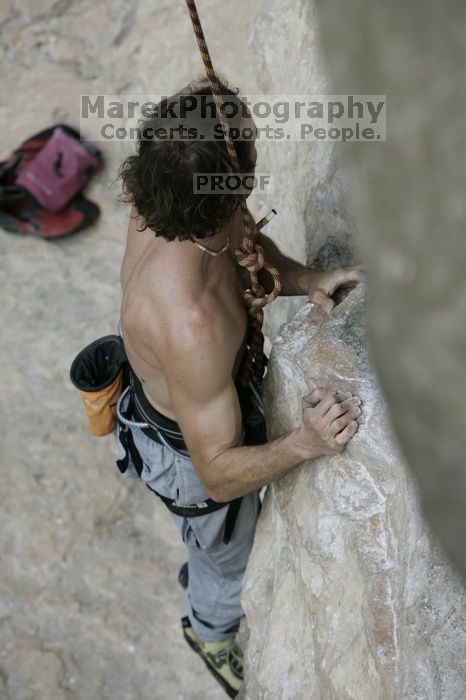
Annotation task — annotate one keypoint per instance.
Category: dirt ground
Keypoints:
(90, 606)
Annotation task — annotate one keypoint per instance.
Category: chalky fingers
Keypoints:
(343, 419)
(345, 435)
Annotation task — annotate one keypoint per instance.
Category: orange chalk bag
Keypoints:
(99, 372)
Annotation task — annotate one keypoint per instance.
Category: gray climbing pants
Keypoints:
(216, 569)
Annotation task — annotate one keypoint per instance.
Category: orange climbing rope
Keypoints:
(250, 254)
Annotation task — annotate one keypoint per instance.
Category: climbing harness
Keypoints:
(131, 413)
(250, 254)
(102, 374)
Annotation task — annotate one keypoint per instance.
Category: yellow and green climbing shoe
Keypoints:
(224, 659)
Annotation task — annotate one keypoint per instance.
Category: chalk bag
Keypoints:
(99, 372)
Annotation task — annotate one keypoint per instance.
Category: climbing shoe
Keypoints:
(183, 575)
(224, 659)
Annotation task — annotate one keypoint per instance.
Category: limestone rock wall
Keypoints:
(314, 224)
(346, 595)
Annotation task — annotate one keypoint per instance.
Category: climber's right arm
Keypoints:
(205, 402)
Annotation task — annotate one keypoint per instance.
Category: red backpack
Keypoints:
(41, 181)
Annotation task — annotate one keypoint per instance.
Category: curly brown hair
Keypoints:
(158, 180)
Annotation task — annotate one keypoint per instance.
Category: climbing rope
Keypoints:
(250, 254)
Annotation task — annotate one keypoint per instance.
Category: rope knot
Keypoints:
(256, 298)
(252, 260)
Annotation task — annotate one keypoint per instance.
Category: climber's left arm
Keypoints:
(298, 279)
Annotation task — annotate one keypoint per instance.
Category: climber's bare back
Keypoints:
(168, 286)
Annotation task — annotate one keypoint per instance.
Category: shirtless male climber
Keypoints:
(184, 326)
